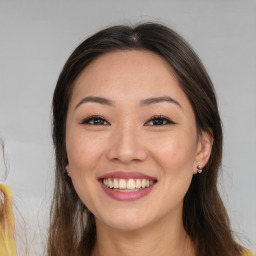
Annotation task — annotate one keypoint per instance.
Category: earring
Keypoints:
(199, 169)
(67, 170)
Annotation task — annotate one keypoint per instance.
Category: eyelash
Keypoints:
(101, 119)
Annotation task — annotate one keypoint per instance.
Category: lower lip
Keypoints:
(126, 196)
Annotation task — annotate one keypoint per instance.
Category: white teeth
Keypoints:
(127, 184)
(143, 183)
(111, 185)
(122, 184)
(105, 182)
(115, 183)
(138, 183)
(130, 184)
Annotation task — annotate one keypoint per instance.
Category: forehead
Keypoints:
(126, 75)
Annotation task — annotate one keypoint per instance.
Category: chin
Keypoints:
(125, 221)
(126, 226)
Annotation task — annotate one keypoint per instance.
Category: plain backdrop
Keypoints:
(36, 37)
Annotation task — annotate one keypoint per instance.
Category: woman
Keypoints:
(138, 143)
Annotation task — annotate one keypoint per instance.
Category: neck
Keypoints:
(166, 237)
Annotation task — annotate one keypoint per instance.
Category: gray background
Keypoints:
(36, 37)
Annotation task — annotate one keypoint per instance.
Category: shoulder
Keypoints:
(248, 253)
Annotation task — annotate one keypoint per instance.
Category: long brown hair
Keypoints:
(72, 228)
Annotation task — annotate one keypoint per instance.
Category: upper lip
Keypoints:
(126, 175)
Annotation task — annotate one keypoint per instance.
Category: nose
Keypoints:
(126, 146)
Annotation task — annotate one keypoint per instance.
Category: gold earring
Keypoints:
(199, 169)
(67, 170)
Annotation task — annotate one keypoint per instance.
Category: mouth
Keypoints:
(127, 186)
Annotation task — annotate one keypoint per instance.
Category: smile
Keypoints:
(127, 186)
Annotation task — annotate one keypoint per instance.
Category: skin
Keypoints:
(127, 139)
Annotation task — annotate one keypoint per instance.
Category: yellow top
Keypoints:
(248, 253)
(7, 242)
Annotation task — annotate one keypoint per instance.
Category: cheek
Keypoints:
(176, 159)
(83, 155)
(175, 152)
(83, 152)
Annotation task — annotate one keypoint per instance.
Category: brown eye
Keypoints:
(159, 121)
(95, 120)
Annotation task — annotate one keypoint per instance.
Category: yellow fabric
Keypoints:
(7, 242)
(248, 253)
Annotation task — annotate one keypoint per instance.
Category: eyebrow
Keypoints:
(145, 102)
(154, 100)
(95, 99)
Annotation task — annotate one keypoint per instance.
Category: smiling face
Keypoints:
(131, 140)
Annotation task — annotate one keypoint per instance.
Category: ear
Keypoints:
(204, 149)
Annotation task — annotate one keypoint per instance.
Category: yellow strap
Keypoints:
(7, 242)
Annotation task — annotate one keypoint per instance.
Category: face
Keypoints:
(131, 140)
